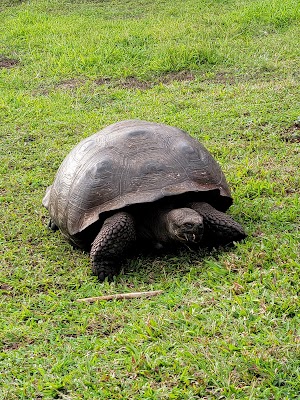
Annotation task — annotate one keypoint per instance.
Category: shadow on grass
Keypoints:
(152, 267)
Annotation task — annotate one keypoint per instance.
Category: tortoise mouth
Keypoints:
(189, 237)
(192, 233)
(185, 225)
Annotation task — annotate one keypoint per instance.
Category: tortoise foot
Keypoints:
(105, 269)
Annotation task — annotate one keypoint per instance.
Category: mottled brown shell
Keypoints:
(127, 163)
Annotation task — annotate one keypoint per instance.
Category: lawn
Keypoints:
(227, 323)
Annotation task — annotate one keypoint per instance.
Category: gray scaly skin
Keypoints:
(219, 228)
(186, 225)
(111, 244)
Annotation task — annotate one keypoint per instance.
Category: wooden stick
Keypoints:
(121, 296)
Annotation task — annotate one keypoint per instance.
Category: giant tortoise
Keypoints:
(138, 183)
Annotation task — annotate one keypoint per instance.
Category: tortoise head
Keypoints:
(184, 225)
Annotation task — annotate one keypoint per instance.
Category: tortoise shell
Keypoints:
(130, 162)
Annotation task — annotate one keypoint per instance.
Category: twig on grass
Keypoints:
(121, 296)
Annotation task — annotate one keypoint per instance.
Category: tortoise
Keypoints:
(138, 183)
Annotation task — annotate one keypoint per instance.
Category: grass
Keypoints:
(227, 324)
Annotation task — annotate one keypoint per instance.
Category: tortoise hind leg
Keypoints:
(111, 244)
(219, 228)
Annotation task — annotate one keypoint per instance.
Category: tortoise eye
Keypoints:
(188, 225)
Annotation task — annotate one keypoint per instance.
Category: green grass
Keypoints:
(227, 324)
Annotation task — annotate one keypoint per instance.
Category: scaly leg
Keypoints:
(219, 228)
(111, 245)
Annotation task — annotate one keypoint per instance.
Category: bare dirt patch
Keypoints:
(292, 134)
(181, 76)
(8, 62)
(132, 82)
(223, 78)
(5, 287)
(15, 345)
(103, 81)
(70, 84)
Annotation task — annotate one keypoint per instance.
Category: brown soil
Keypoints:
(69, 84)
(292, 134)
(132, 82)
(8, 62)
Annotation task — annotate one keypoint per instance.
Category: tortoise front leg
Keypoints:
(52, 225)
(111, 244)
(219, 228)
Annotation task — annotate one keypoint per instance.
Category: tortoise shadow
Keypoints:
(150, 267)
